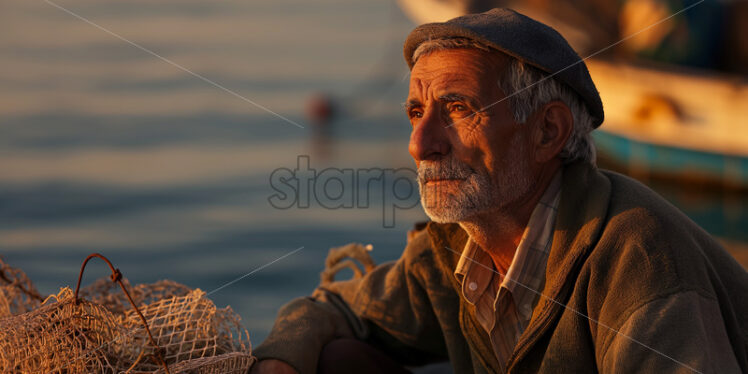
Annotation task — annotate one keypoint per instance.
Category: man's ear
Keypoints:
(553, 125)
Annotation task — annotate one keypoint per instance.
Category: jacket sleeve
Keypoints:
(390, 301)
(304, 326)
(679, 333)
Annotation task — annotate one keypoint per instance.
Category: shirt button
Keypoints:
(473, 286)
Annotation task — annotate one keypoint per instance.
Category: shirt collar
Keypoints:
(476, 264)
(527, 270)
(526, 275)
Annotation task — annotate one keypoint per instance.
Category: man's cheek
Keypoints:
(471, 128)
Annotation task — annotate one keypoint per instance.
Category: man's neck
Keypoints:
(499, 232)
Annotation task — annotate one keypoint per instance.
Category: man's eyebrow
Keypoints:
(452, 97)
(445, 98)
(411, 103)
(459, 97)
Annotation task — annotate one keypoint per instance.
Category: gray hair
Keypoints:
(528, 89)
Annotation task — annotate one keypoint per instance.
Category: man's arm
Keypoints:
(391, 299)
(272, 366)
(304, 326)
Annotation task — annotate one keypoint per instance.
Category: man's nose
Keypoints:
(429, 139)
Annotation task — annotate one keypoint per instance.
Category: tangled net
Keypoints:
(98, 330)
(17, 293)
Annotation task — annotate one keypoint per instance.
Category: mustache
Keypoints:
(450, 168)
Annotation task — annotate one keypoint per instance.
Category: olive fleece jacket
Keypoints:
(632, 285)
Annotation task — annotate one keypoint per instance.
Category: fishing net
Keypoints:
(17, 293)
(101, 332)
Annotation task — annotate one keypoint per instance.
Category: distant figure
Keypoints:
(319, 112)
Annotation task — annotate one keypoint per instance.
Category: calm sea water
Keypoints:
(107, 148)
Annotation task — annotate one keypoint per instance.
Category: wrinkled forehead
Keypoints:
(468, 70)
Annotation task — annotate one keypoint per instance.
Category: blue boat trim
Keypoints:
(668, 160)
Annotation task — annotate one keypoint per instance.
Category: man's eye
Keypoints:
(415, 114)
(457, 108)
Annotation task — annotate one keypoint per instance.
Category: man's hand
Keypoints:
(272, 366)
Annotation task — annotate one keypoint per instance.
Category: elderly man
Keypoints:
(535, 260)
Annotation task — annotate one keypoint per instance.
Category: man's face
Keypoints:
(472, 157)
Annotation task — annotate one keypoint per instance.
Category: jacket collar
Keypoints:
(583, 208)
(585, 196)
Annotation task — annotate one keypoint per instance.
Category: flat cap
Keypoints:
(521, 37)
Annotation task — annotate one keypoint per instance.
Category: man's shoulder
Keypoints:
(632, 197)
(425, 243)
(649, 251)
(649, 241)
(639, 214)
(618, 214)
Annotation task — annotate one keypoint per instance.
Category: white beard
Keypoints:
(477, 192)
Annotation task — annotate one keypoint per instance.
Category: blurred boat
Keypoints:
(674, 123)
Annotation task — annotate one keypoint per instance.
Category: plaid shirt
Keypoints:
(504, 302)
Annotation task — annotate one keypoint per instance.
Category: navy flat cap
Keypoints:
(521, 37)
